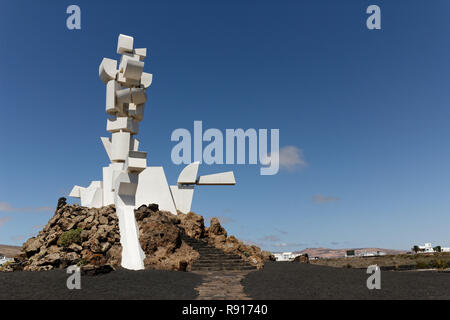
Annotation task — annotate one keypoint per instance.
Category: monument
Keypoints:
(128, 182)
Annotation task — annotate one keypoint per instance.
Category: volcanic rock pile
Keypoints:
(90, 238)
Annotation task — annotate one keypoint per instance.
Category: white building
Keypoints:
(428, 248)
(286, 256)
(4, 259)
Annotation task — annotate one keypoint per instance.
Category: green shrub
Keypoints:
(245, 253)
(82, 262)
(439, 264)
(422, 265)
(69, 237)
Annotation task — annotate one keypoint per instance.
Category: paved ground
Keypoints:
(120, 284)
(291, 281)
(287, 281)
(221, 285)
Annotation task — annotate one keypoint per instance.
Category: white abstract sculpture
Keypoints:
(127, 182)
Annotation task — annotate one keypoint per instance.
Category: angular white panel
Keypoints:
(224, 178)
(189, 174)
(146, 79)
(107, 70)
(108, 189)
(107, 144)
(153, 188)
(124, 44)
(182, 196)
(75, 193)
(92, 196)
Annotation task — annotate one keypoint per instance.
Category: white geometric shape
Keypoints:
(124, 44)
(128, 184)
(122, 124)
(138, 96)
(107, 144)
(132, 254)
(125, 57)
(146, 79)
(108, 188)
(182, 196)
(224, 178)
(123, 96)
(133, 69)
(189, 174)
(153, 188)
(107, 70)
(111, 88)
(75, 193)
(92, 196)
(136, 111)
(134, 144)
(141, 52)
(126, 81)
(120, 146)
(137, 161)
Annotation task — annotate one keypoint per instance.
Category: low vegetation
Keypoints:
(70, 237)
(438, 260)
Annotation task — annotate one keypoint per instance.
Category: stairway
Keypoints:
(213, 259)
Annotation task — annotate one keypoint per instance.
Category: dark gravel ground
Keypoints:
(292, 281)
(120, 284)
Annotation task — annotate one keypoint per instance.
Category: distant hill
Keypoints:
(339, 253)
(9, 251)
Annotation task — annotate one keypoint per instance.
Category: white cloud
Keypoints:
(4, 220)
(320, 198)
(290, 158)
(6, 207)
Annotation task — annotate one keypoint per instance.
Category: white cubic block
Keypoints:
(111, 105)
(120, 146)
(136, 111)
(107, 70)
(124, 44)
(133, 69)
(141, 52)
(138, 96)
(123, 95)
(127, 82)
(122, 124)
(146, 79)
(134, 144)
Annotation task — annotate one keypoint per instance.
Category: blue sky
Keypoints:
(367, 111)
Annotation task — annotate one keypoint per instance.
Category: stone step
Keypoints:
(218, 260)
(221, 268)
(220, 256)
